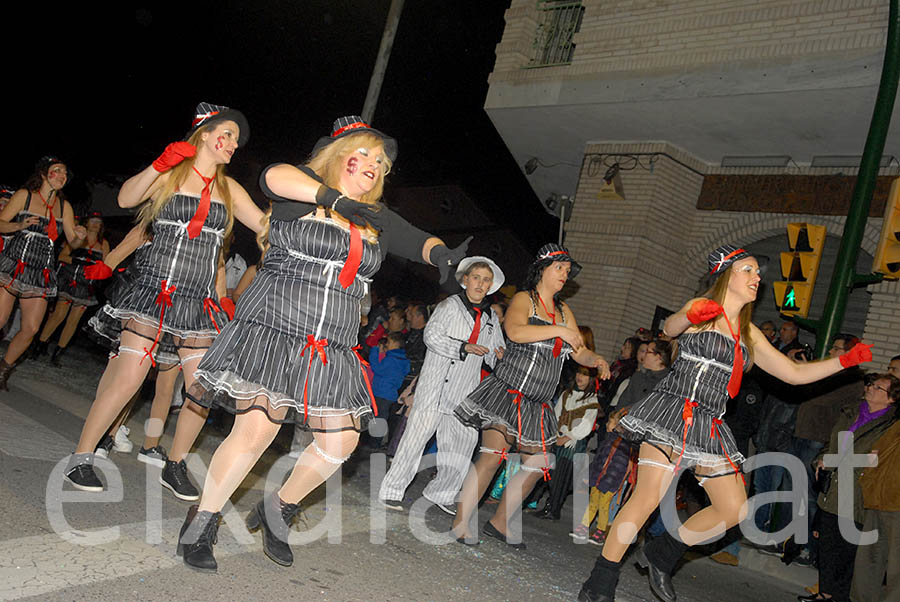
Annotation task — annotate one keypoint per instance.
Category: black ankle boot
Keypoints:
(659, 556)
(601, 585)
(195, 541)
(57, 353)
(5, 371)
(38, 348)
(275, 518)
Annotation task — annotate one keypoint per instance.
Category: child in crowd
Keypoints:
(389, 367)
(609, 472)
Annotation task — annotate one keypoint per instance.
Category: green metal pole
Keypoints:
(844, 277)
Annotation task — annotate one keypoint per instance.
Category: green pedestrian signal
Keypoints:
(790, 300)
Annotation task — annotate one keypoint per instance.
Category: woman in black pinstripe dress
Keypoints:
(289, 355)
(680, 423)
(190, 204)
(36, 215)
(512, 405)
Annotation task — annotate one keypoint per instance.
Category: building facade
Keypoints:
(695, 102)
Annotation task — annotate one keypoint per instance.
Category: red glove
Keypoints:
(858, 354)
(227, 306)
(174, 154)
(97, 271)
(702, 310)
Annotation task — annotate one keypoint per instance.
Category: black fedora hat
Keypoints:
(551, 252)
(207, 113)
(721, 258)
(6, 191)
(354, 124)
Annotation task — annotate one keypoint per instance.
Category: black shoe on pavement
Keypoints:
(84, 478)
(196, 539)
(104, 447)
(492, 531)
(155, 456)
(57, 353)
(274, 517)
(174, 478)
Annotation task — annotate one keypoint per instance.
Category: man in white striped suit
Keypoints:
(462, 333)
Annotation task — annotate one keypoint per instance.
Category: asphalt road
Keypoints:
(57, 544)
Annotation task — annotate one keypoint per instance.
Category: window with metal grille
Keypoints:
(558, 21)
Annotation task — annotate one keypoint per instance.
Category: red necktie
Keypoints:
(195, 226)
(354, 256)
(52, 232)
(473, 338)
(557, 342)
(737, 368)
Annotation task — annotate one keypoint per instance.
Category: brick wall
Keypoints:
(650, 249)
(644, 35)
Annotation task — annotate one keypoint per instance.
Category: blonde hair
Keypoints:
(327, 164)
(717, 293)
(150, 210)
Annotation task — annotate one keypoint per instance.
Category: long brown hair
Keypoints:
(717, 293)
(177, 177)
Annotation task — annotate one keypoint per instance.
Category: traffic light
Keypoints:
(887, 256)
(799, 267)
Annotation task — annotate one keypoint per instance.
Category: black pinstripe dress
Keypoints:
(522, 386)
(289, 350)
(28, 261)
(106, 330)
(72, 286)
(174, 292)
(699, 376)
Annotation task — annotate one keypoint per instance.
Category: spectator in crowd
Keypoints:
(499, 308)
(768, 329)
(396, 322)
(655, 366)
(881, 499)
(576, 411)
(817, 416)
(639, 356)
(867, 421)
(621, 369)
(389, 367)
(607, 478)
(643, 334)
(776, 430)
(894, 366)
(234, 270)
(416, 318)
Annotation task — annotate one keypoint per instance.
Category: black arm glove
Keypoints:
(355, 211)
(444, 259)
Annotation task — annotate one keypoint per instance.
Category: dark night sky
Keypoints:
(107, 88)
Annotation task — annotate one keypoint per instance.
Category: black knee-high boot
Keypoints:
(601, 585)
(5, 371)
(659, 556)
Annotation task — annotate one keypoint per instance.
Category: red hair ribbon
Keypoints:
(164, 300)
(714, 434)
(363, 365)
(687, 415)
(210, 307)
(316, 346)
(518, 401)
(354, 256)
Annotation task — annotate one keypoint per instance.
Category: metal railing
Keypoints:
(558, 21)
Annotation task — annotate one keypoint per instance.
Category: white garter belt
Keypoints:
(649, 462)
(327, 457)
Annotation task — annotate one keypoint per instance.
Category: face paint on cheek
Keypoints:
(220, 142)
(352, 165)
